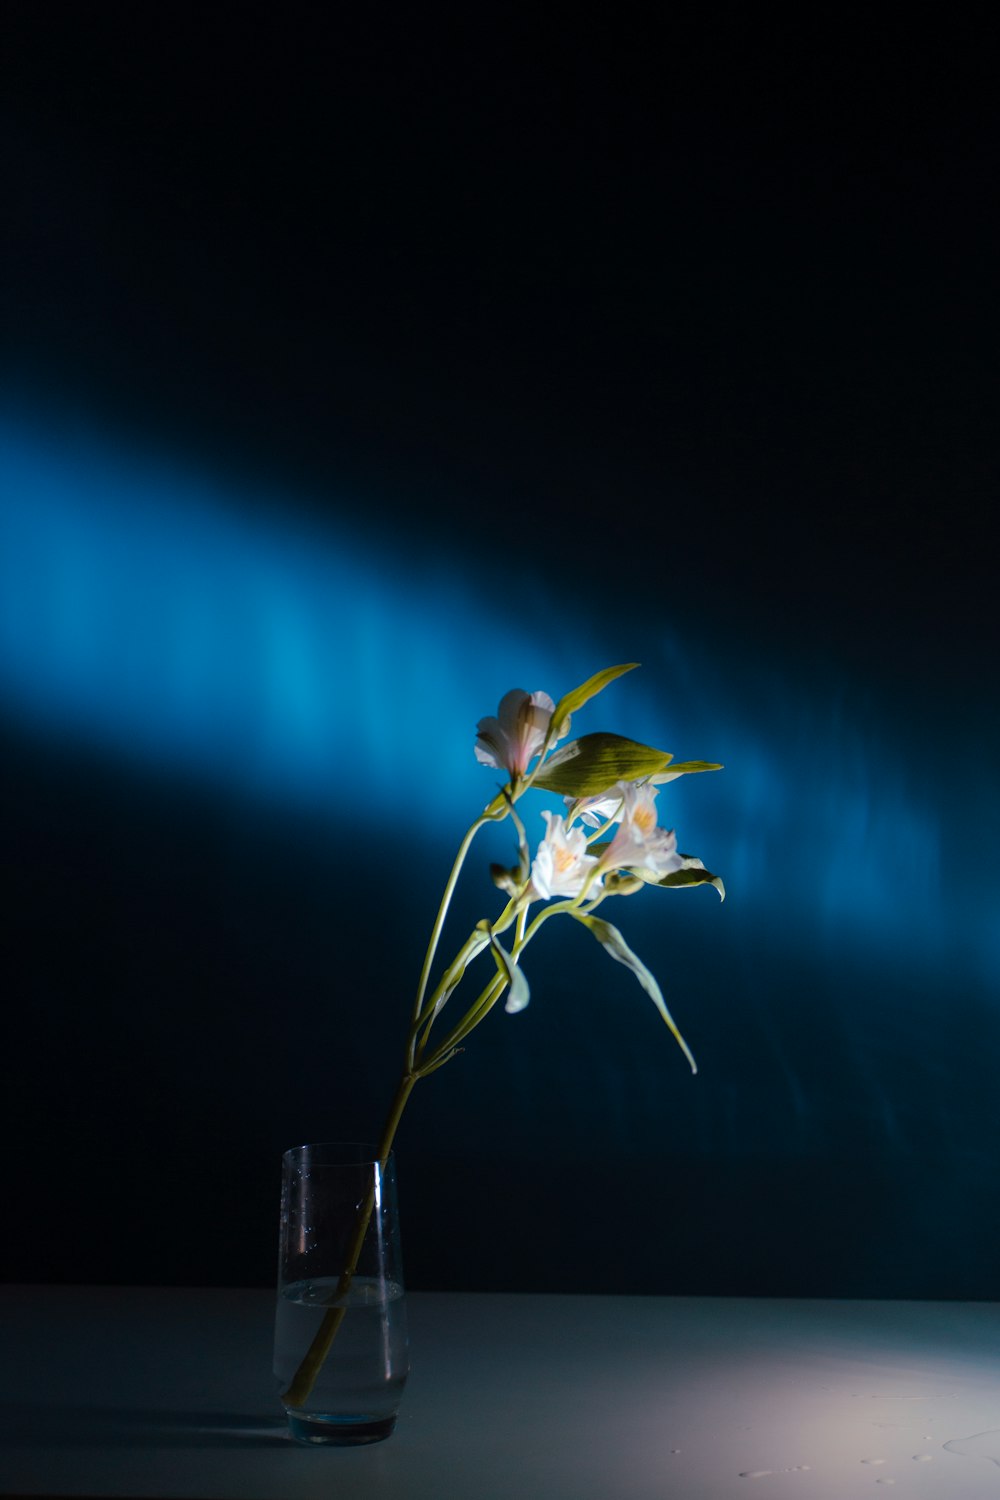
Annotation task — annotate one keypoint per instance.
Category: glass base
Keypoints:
(313, 1428)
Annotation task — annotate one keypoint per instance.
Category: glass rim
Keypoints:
(340, 1153)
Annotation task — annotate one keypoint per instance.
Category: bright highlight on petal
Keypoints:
(605, 807)
(562, 864)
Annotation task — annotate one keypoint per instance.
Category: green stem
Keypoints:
(481, 1007)
(489, 996)
(497, 809)
(306, 1375)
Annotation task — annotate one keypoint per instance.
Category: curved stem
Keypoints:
(475, 943)
(480, 1007)
(305, 1377)
(497, 809)
(450, 980)
(491, 993)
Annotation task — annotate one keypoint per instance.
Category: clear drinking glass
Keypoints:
(341, 1306)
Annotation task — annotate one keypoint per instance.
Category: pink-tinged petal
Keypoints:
(660, 855)
(631, 849)
(544, 706)
(509, 711)
(491, 743)
(639, 844)
(515, 736)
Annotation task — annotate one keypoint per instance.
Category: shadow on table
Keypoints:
(101, 1426)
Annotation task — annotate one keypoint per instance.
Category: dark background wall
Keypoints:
(356, 371)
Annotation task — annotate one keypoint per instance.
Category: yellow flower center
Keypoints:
(644, 818)
(565, 859)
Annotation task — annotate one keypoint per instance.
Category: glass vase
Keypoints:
(340, 1342)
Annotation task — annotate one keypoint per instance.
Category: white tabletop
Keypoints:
(167, 1393)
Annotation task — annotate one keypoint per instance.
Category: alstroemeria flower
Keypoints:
(606, 805)
(562, 865)
(639, 843)
(513, 737)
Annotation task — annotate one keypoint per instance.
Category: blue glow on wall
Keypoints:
(144, 610)
(151, 612)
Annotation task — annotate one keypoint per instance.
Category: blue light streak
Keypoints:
(143, 610)
(153, 612)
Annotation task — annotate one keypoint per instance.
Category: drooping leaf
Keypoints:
(593, 763)
(693, 874)
(570, 702)
(519, 993)
(684, 768)
(612, 941)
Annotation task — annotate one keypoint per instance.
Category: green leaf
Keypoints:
(622, 883)
(684, 768)
(452, 978)
(612, 941)
(693, 874)
(570, 702)
(519, 994)
(591, 764)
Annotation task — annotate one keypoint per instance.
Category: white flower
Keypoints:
(562, 865)
(517, 733)
(639, 843)
(606, 805)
